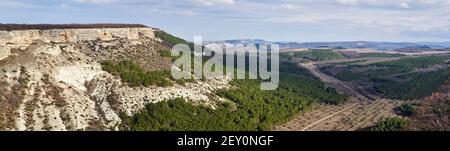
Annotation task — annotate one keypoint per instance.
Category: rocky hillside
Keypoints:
(52, 79)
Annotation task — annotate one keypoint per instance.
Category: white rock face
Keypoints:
(21, 121)
(73, 35)
(134, 99)
(52, 50)
(80, 109)
(55, 85)
(21, 39)
(54, 120)
(77, 75)
(4, 52)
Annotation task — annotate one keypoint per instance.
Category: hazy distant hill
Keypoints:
(348, 44)
(437, 44)
(239, 41)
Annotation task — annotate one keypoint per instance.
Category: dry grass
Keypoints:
(433, 114)
(10, 99)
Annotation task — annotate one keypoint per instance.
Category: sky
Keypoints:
(275, 20)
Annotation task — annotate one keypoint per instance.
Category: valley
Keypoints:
(369, 104)
(224, 74)
(117, 77)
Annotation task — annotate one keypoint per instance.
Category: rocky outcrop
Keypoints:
(53, 80)
(73, 35)
(20, 39)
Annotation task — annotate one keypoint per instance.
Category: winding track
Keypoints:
(357, 113)
(333, 82)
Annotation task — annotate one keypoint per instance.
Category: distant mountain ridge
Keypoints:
(342, 45)
(11, 27)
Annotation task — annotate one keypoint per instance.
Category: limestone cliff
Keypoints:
(20, 39)
(53, 80)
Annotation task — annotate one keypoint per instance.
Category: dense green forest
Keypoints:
(350, 75)
(134, 75)
(319, 55)
(386, 76)
(381, 55)
(250, 107)
(409, 64)
(378, 70)
(419, 85)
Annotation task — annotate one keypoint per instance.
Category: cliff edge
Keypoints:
(53, 79)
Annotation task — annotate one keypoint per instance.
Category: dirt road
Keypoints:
(351, 116)
(358, 113)
(333, 82)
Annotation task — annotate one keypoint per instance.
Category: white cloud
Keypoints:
(97, 1)
(289, 6)
(186, 13)
(215, 2)
(13, 4)
(404, 4)
(347, 2)
(373, 19)
(383, 15)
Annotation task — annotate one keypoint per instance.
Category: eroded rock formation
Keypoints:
(53, 80)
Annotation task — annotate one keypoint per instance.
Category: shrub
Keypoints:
(134, 75)
(391, 124)
(165, 53)
(406, 109)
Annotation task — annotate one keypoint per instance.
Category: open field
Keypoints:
(352, 116)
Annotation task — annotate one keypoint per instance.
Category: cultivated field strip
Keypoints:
(358, 113)
(305, 120)
(348, 117)
(370, 115)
